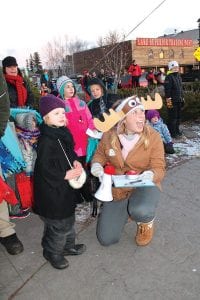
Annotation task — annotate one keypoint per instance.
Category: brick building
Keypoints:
(148, 52)
(103, 57)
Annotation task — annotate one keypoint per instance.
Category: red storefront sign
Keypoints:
(164, 42)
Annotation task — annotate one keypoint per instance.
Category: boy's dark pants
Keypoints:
(174, 116)
(58, 234)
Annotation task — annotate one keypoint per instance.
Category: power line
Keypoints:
(117, 45)
(145, 18)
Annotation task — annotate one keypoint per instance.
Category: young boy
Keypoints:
(156, 122)
(54, 198)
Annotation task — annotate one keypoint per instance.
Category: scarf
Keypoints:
(128, 142)
(29, 136)
(9, 164)
(18, 82)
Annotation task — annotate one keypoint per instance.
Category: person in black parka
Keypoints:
(54, 198)
(174, 98)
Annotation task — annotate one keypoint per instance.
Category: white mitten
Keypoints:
(147, 175)
(78, 182)
(97, 170)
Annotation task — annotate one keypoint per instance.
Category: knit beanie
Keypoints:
(9, 61)
(129, 104)
(48, 103)
(172, 64)
(61, 82)
(25, 120)
(151, 114)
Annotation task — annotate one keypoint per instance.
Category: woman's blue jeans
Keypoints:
(141, 206)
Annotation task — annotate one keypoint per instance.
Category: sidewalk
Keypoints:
(167, 269)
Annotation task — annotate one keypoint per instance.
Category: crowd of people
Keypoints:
(52, 146)
(129, 77)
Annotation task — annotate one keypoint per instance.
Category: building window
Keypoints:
(171, 53)
(181, 54)
(161, 54)
(150, 54)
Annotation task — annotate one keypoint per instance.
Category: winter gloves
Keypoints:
(147, 175)
(169, 103)
(97, 170)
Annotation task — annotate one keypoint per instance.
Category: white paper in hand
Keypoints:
(94, 133)
(131, 181)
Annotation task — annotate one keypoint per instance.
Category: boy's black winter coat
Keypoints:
(53, 196)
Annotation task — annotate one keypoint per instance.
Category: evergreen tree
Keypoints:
(37, 63)
(27, 64)
(31, 63)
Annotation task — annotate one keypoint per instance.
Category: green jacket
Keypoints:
(4, 104)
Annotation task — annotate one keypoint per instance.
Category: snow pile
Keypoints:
(186, 147)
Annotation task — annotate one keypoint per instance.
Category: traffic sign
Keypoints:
(197, 54)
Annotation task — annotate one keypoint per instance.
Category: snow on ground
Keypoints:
(186, 148)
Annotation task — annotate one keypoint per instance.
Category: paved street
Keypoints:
(167, 269)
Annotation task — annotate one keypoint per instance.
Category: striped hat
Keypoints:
(61, 82)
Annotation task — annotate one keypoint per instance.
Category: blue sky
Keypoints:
(29, 27)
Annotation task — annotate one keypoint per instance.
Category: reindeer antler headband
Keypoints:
(124, 108)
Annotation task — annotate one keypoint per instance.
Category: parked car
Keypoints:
(142, 80)
(125, 81)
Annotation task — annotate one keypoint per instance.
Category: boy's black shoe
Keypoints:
(12, 244)
(56, 260)
(77, 250)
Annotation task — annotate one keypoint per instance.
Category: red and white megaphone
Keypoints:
(104, 192)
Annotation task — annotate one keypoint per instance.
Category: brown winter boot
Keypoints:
(144, 233)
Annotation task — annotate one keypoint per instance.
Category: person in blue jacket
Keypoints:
(153, 116)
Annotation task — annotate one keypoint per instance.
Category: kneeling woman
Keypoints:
(132, 145)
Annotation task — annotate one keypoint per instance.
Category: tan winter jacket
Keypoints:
(138, 159)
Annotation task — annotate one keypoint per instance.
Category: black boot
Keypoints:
(12, 244)
(56, 260)
(76, 250)
(169, 149)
